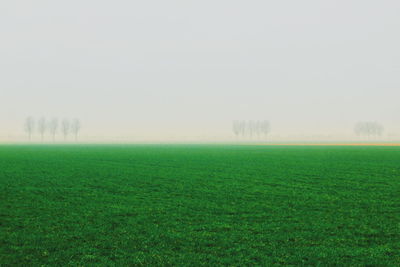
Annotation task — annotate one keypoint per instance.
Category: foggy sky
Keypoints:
(175, 69)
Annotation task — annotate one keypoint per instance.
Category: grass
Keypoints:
(182, 205)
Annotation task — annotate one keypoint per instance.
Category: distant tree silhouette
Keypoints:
(236, 128)
(53, 126)
(257, 129)
(65, 128)
(265, 127)
(76, 127)
(42, 127)
(251, 128)
(29, 127)
(368, 129)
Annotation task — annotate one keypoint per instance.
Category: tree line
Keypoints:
(249, 129)
(241, 128)
(260, 129)
(43, 126)
(368, 129)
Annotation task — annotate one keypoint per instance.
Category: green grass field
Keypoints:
(198, 205)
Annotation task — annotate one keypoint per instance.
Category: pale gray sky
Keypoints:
(188, 68)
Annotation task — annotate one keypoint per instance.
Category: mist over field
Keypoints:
(199, 133)
(185, 70)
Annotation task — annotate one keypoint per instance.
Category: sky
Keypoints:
(184, 70)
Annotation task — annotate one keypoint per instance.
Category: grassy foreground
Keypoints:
(181, 205)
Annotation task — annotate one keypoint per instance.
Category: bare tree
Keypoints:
(265, 127)
(241, 125)
(65, 128)
(257, 128)
(53, 126)
(358, 129)
(251, 128)
(76, 127)
(242, 128)
(29, 126)
(379, 130)
(361, 129)
(42, 127)
(368, 129)
(235, 128)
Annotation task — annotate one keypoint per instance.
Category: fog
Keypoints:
(184, 70)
